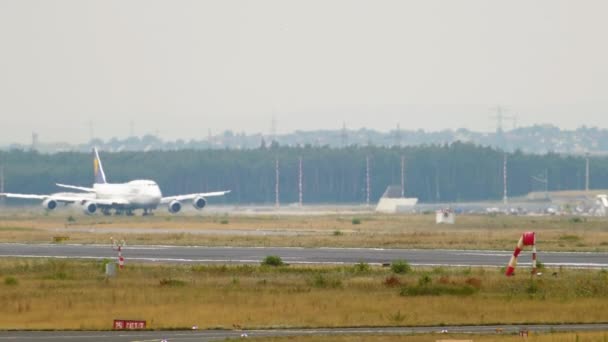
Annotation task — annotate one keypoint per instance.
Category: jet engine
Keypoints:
(199, 202)
(89, 208)
(49, 204)
(175, 207)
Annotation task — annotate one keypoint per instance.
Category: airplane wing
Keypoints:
(81, 188)
(69, 198)
(165, 200)
(65, 198)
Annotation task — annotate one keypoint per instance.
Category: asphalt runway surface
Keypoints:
(294, 255)
(218, 335)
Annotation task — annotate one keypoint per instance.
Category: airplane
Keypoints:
(122, 197)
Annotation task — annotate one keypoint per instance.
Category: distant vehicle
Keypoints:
(122, 197)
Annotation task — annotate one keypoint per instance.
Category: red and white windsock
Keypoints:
(527, 239)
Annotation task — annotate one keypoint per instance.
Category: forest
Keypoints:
(456, 172)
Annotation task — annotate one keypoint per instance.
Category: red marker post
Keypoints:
(117, 246)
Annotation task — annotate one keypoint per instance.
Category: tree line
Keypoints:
(437, 173)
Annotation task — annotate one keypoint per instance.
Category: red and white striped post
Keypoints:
(527, 239)
(117, 246)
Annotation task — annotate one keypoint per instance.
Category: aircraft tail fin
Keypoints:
(100, 176)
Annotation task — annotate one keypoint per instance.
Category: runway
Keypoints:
(218, 335)
(294, 255)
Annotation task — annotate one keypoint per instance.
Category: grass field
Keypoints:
(60, 294)
(542, 337)
(371, 230)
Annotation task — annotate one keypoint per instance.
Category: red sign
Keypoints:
(122, 324)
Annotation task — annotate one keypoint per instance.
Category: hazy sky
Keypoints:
(181, 68)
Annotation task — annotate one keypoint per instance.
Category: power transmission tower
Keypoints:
(397, 141)
(35, 141)
(344, 135)
(500, 117)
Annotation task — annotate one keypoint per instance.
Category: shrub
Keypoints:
(392, 281)
(224, 221)
(424, 280)
(575, 220)
(338, 233)
(356, 221)
(322, 282)
(11, 281)
(169, 282)
(540, 265)
(361, 267)
(104, 262)
(272, 260)
(401, 267)
(532, 288)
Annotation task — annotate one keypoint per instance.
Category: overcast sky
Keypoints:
(180, 68)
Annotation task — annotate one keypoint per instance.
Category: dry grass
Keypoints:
(541, 337)
(400, 231)
(252, 296)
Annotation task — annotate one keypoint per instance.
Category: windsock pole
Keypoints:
(117, 246)
(527, 239)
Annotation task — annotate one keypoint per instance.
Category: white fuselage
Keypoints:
(139, 194)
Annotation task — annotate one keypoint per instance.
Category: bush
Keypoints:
(392, 281)
(356, 221)
(575, 220)
(224, 221)
(401, 267)
(272, 260)
(361, 267)
(532, 288)
(11, 281)
(539, 265)
(338, 233)
(104, 262)
(424, 280)
(322, 282)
